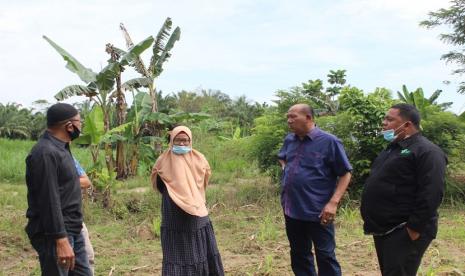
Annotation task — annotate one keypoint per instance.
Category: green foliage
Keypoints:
(366, 114)
(325, 102)
(98, 85)
(454, 19)
(288, 98)
(447, 131)
(164, 43)
(161, 51)
(337, 79)
(12, 161)
(424, 105)
(342, 125)
(72, 64)
(13, 155)
(267, 230)
(156, 226)
(228, 113)
(270, 130)
(93, 130)
(20, 123)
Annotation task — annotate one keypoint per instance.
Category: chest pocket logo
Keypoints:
(405, 152)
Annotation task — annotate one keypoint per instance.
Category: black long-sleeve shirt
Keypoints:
(406, 185)
(54, 194)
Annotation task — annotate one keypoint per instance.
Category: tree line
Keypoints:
(121, 137)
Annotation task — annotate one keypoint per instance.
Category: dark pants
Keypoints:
(398, 255)
(302, 236)
(46, 248)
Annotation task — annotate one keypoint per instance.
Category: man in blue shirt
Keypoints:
(316, 174)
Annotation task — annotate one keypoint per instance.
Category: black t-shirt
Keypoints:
(54, 194)
(406, 185)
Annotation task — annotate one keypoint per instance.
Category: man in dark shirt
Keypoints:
(403, 192)
(54, 196)
(316, 173)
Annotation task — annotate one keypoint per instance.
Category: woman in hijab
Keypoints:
(188, 242)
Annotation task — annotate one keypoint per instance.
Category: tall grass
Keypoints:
(228, 159)
(12, 159)
(13, 154)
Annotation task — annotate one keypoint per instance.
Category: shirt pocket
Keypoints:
(311, 159)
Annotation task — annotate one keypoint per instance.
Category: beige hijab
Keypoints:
(185, 176)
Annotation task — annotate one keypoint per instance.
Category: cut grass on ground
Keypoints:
(248, 224)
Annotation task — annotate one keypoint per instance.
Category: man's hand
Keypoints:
(65, 253)
(282, 163)
(414, 235)
(84, 181)
(329, 213)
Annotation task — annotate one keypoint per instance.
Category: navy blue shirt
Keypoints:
(313, 166)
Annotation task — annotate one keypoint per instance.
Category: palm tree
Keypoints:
(14, 121)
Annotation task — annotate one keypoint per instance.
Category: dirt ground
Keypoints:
(251, 239)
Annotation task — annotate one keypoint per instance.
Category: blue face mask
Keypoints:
(390, 134)
(181, 149)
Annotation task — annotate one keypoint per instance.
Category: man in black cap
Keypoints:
(54, 196)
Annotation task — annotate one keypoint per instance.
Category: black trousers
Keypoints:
(398, 255)
(46, 248)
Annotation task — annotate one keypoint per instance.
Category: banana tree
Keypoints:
(94, 135)
(164, 43)
(135, 133)
(98, 86)
(120, 107)
(93, 132)
(418, 99)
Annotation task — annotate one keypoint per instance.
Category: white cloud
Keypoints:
(240, 46)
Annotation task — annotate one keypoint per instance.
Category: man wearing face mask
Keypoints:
(54, 196)
(403, 192)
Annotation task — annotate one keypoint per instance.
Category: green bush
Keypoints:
(447, 131)
(269, 133)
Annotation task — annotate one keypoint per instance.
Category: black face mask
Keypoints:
(75, 133)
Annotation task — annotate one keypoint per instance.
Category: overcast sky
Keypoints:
(241, 47)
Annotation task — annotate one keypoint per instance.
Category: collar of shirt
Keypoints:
(57, 142)
(407, 142)
(312, 134)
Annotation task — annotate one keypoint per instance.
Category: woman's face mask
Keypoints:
(181, 149)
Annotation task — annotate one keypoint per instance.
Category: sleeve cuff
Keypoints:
(58, 235)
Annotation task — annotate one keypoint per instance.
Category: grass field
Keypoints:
(244, 208)
(249, 228)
